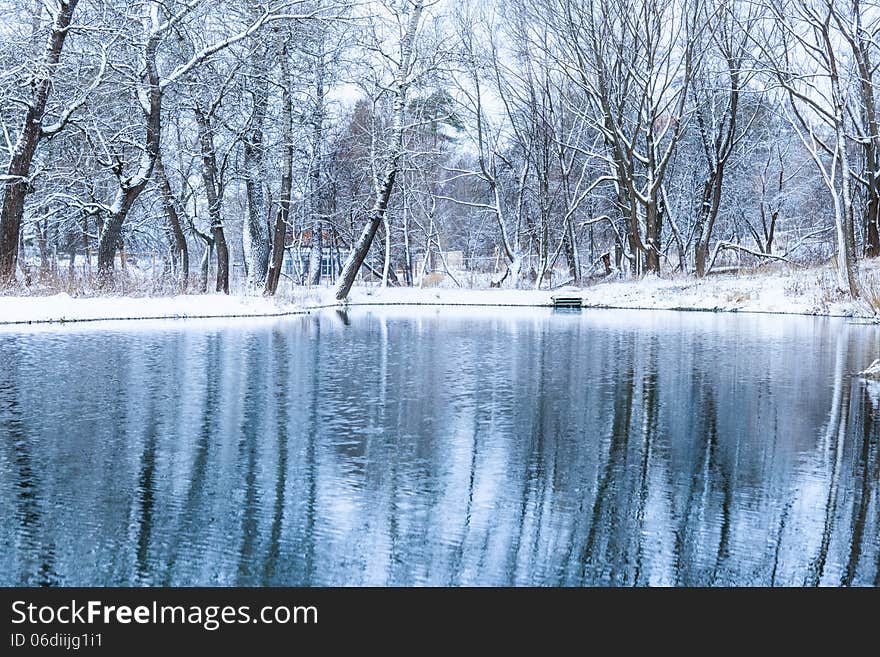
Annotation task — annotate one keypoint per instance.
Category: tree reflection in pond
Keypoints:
(462, 447)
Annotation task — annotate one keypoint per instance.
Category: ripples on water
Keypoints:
(472, 447)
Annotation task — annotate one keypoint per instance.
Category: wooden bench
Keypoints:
(567, 301)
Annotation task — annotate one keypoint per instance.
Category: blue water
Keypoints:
(411, 447)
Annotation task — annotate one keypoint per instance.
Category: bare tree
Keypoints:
(211, 179)
(409, 18)
(858, 24)
(180, 250)
(634, 60)
(800, 50)
(257, 227)
(32, 130)
(316, 192)
(279, 233)
(717, 108)
(150, 87)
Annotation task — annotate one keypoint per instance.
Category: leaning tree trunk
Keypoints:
(383, 190)
(18, 171)
(362, 246)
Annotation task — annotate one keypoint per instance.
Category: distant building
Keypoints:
(298, 252)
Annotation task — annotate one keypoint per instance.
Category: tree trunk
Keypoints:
(222, 258)
(129, 191)
(316, 251)
(317, 247)
(653, 234)
(703, 229)
(846, 274)
(204, 266)
(846, 246)
(18, 171)
(407, 254)
(257, 227)
(362, 246)
(872, 217)
(701, 255)
(42, 245)
(178, 239)
(71, 265)
(213, 193)
(383, 192)
(861, 45)
(571, 253)
(386, 260)
(711, 202)
(279, 235)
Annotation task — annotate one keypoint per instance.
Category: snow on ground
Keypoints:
(64, 308)
(803, 292)
(808, 291)
(443, 296)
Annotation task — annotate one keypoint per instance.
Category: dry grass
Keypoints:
(871, 290)
(128, 282)
(828, 291)
(433, 279)
(738, 297)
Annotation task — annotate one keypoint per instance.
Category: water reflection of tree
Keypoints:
(460, 453)
(280, 391)
(830, 454)
(311, 469)
(867, 472)
(146, 492)
(34, 539)
(189, 529)
(602, 523)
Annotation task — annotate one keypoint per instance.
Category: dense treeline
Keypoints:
(545, 140)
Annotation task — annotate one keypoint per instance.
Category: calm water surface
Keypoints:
(469, 447)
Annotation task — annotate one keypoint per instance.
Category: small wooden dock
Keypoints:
(570, 298)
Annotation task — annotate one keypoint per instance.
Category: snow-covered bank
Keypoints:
(801, 292)
(807, 292)
(64, 308)
(804, 292)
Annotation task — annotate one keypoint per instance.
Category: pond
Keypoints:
(441, 447)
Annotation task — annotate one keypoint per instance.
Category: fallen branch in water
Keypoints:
(872, 371)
